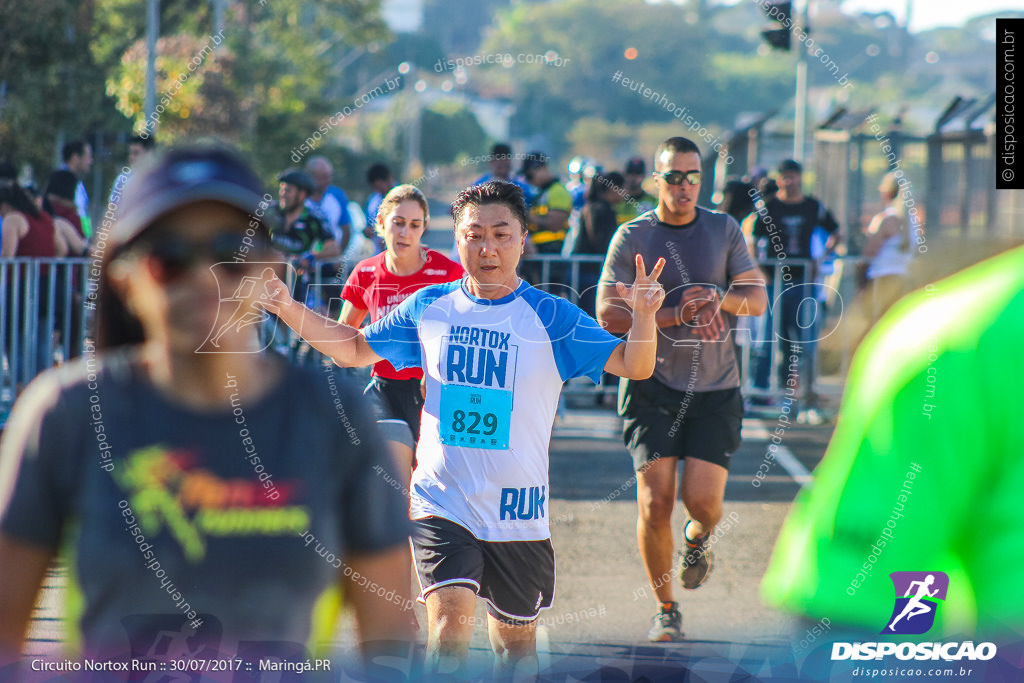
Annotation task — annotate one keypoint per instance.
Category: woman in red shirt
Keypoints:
(27, 230)
(28, 233)
(377, 285)
(59, 202)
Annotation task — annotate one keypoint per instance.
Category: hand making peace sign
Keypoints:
(645, 295)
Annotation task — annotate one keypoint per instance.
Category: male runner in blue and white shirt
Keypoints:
(495, 352)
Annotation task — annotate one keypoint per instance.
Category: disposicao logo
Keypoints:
(918, 595)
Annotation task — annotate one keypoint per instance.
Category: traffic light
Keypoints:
(778, 33)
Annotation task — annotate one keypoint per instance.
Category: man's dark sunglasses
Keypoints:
(677, 177)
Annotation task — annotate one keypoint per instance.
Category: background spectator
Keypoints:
(77, 156)
(59, 202)
(636, 201)
(139, 147)
(887, 251)
(380, 180)
(329, 199)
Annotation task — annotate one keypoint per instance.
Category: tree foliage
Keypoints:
(592, 37)
(74, 68)
(194, 97)
(448, 130)
(48, 80)
(271, 83)
(79, 67)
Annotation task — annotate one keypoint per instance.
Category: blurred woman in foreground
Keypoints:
(194, 487)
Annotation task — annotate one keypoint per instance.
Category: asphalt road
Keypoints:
(603, 603)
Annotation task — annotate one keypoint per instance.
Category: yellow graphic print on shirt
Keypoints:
(167, 486)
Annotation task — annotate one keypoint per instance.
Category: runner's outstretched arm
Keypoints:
(345, 345)
(635, 358)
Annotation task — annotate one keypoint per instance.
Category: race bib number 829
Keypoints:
(475, 417)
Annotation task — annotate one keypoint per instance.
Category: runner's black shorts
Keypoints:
(515, 578)
(399, 402)
(663, 422)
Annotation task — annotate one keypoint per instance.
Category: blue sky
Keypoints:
(925, 14)
(928, 14)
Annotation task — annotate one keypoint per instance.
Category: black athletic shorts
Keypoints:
(515, 578)
(663, 422)
(400, 402)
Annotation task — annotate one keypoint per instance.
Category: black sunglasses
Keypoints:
(176, 256)
(677, 177)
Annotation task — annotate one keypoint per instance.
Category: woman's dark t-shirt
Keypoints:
(166, 516)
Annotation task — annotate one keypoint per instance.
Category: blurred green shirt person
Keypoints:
(635, 200)
(925, 469)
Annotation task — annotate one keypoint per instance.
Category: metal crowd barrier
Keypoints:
(835, 291)
(552, 273)
(319, 287)
(44, 318)
(47, 313)
(47, 307)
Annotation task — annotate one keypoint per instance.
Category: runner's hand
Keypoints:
(694, 299)
(707, 323)
(275, 294)
(645, 295)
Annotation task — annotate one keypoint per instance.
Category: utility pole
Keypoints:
(905, 57)
(800, 13)
(218, 16)
(152, 33)
(787, 18)
(415, 128)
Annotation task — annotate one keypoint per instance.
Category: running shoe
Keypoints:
(667, 626)
(695, 563)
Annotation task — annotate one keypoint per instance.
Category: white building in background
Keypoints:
(403, 16)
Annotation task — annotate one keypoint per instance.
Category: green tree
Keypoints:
(194, 98)
(588, 43)
(279, 74)
(288, 56)
(48, 83)
(600, 140)
(274, 79)
(448, 129)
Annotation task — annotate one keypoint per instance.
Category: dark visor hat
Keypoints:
(184, 176)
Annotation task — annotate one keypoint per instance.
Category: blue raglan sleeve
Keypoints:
(580, 345)
(396, 336)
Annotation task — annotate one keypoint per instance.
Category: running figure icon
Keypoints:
(244, 314)
(914, 606)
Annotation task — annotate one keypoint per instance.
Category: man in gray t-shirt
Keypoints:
(691, 409)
